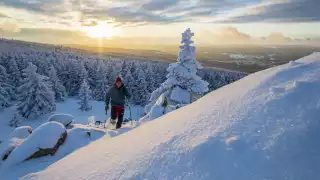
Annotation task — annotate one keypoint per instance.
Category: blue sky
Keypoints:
(165, 18)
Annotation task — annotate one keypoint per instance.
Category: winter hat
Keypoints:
(118, 79)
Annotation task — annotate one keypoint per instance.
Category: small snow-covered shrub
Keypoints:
(65, 119)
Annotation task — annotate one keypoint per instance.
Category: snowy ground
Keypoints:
(74, 140)
(265, 126)
(68, 107)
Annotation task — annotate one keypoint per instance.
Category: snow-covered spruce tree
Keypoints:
(6, 90)
(16, 120)
(35, 94)
(4, 98)
(183, 85)
(74, 76)
(85, 96)
(13, 71)
(57, 87)
(99, 84)
(140, 91)
(129, 82)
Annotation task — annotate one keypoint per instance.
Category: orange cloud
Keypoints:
(277, 37)
(225, 35)
(10, 28)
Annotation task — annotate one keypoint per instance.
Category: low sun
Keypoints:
(101, 31)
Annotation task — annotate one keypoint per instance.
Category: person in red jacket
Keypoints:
(117, 94)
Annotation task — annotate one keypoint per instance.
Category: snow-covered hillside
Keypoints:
(265, 126)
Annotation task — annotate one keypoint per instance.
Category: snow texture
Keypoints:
(16, 138)
(45, 136)
(180, 95)
(240, 131)
(65, 119)
(79, 136)
(21, 132)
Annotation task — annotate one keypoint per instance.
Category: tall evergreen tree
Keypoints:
(85, 96)
(99, 81)
(57, 87)
(13, 71)
(35, 94)
(4, 98)
(150, 78)
(140, 91)
(129, 82)
(6, 90)
(182, 85)
(15, 76)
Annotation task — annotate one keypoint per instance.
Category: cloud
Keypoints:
(142, 12)
(9, 28)
(224, 35)
(52, 36)
(42, 6)
(277, 37)
(89, 23)
(154, 5)
(280, 11)
(127, 15)
(3, 15)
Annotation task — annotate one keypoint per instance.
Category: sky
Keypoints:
(161, 21)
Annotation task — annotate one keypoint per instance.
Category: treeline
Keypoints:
(73, 66)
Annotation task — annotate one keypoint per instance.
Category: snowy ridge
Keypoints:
(264, 126)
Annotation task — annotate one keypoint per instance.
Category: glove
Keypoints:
(106, 108)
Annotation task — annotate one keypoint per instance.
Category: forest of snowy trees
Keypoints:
(60, 73)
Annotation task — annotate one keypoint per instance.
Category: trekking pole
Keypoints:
(105, 120)
(128, 104)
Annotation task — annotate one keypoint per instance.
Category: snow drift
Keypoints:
(44, 137)
(265, 126)
(16, 138)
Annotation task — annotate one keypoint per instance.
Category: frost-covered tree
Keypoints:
(57, 87)
(6, 90)
(99, 83)
(140, 89)
(13, 71)
(85, 96)
(150, 78)
(73, 76)
(4, 98)
(182, 85)
(35, 94)
(129, 82)
(16, 120)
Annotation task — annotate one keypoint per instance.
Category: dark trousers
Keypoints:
(117, 112)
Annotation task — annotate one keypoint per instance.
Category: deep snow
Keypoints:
(265, 126)
(44, 137)
(77, 136)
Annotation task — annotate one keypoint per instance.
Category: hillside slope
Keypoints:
(264, 126)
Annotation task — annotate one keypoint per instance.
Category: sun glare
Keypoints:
(101, 31)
